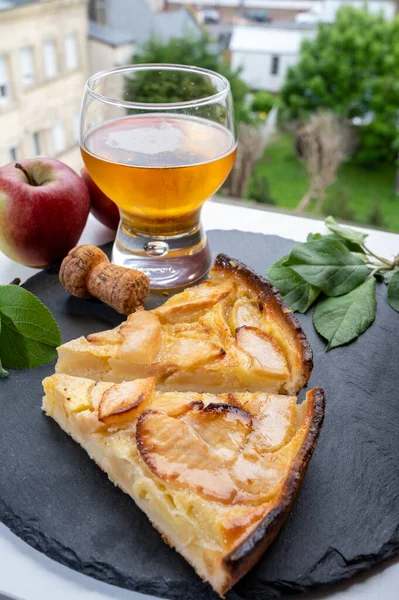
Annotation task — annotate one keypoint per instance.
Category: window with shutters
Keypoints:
(27, 66)
(71, 51)
(5, 96)
(50, 59)
(58, 136)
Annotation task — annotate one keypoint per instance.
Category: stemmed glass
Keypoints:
(159, 161)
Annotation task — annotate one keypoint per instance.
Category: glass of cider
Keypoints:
(159, 140)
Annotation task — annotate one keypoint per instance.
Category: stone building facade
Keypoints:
(43, 68)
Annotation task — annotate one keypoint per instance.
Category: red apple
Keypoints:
(44, 207)
(102, 207)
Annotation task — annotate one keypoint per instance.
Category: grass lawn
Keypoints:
(361, 189)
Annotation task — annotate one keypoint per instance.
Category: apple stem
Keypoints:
(28, 176)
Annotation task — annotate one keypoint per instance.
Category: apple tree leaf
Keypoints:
(314, 236)
(393, 290)
(298, 294)
(341, 320)
(328, 265)
(352, 246)
(3, 372)
(386, 276)
(29, 333)
(345, 233)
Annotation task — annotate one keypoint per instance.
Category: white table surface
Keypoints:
(26, 574)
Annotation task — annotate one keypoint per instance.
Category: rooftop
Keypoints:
(109, 35)
(129, 21)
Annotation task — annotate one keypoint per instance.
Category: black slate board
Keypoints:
(345, 519)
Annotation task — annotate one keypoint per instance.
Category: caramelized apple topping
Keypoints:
(274, 422)
(110, 336)
(221, 451)
(174, 452)
(187, 352)
(263, 348)
(123, 402)
(244, 312)
(223, 427)
(193, 300)
(142, 337)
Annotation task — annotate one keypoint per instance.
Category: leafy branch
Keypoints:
(339, 272)
(29, 333)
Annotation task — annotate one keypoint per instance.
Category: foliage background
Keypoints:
(187, 51)
(352, 68)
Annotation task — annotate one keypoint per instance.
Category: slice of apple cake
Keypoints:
(215, 473)
(231, 333)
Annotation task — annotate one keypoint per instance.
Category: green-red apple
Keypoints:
(44, 207)
(102, 207)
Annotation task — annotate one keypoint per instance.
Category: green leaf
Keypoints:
(345, 233)
(327, 264)
(29, 333)
(387, 275)
(3, 372)
(298, 294)
(393, 290)
(352, 246)
(313, 236)
(341, 320)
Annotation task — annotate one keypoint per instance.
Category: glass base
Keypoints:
(170, 262)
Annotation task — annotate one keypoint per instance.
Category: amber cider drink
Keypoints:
(159, 168)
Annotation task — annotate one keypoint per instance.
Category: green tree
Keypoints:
(186, 51)
(264, 102)
(351, 67)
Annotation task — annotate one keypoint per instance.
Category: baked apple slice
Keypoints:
(120, 403)
(141, 337)
(264, 349)
(187, 304)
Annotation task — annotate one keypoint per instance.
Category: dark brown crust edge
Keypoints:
(246, 555)
(269, 295)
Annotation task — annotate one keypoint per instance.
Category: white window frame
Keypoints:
(58, 135)
(71, 51)
(50, 58)
(5, 87)
(27, 66)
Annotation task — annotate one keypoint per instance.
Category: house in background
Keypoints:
(264, 54)
(285, 10)
(266, 51)
(43, 54)
(117, 28)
